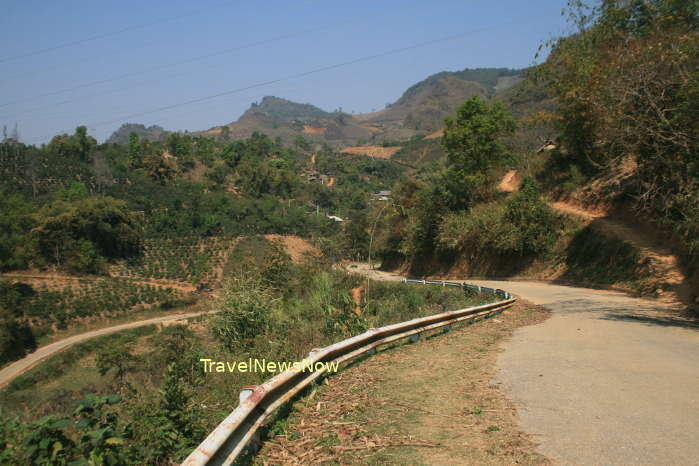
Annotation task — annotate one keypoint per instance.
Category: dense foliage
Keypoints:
(627, 84)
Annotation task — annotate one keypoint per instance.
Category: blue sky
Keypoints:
(102, 63)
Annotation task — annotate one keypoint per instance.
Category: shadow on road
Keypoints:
(650, 320)
(645, 313)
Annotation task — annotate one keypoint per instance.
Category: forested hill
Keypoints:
(151, 133)
(283, 110)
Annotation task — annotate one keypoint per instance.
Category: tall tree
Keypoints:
(473, 143)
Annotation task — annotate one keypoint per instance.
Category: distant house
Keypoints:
(335, 217)
(381, 196)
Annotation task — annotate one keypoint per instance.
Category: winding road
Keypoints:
(607, 380)
(17, 368)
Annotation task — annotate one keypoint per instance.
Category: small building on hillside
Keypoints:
(381, 196)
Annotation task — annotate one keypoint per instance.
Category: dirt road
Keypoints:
(8, 373)
(607, 380)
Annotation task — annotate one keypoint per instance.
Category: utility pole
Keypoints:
(371, 242)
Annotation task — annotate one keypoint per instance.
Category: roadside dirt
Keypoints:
(437, 134)
(298, 248)
(510, 182)
(434, 402)
(607, 380)
(672, 286)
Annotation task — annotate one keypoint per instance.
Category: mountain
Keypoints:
(423, 106)
(284, 111)
(152, 133)
(420, 110)
(287, 120)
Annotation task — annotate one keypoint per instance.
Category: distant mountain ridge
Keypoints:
(421, 109)
(151, 133)
(283, 110)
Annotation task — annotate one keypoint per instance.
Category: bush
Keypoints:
(523, 226)
(246, 306)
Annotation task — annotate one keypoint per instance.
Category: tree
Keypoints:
(80, 234)
(473, 143)
(135, 156)
(83, 143)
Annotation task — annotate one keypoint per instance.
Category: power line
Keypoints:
(168, 65)
(112, 33)
(295, 76)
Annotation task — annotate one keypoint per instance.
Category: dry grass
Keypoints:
(437, 134)
(307, 129)
(377, 152)
(298, 248)
(433, 402)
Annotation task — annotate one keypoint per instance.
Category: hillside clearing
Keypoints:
(377, 152)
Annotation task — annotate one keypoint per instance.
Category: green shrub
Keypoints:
(245, 309)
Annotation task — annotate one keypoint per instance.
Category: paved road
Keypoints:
(607, 380)
(17, 368)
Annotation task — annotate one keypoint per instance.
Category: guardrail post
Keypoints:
(371, 351)
(310, 355)
(254, 444)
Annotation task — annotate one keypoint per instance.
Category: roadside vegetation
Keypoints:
(143, 224)
(142, 396)
(614, 101)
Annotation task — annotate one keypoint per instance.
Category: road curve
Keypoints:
(8, 373)
(607, 380)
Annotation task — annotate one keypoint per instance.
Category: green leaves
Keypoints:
(472, 140)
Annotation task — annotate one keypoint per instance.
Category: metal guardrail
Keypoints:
(240, 428)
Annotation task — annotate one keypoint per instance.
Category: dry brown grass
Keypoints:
(298, 248)
(307, 129)
(434, 402)
(437, 134)
(377, 152)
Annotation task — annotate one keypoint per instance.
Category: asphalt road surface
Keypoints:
(607, 380)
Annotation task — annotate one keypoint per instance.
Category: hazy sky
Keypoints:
(103, 63)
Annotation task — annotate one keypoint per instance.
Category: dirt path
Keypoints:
(672, 282)
(510, 182)
(8, 373)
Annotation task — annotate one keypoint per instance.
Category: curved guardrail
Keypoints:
(240, 428)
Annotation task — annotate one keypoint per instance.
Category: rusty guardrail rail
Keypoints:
(227, 441)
